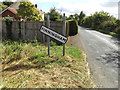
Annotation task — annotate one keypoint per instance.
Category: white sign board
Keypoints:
(49, 32)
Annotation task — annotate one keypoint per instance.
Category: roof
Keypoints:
(10, 9)
(13, 10)
(40, 10)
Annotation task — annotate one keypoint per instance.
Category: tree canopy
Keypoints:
(2, 6)
(71, 17)
(76, 16)
(28, 12)
(7, 2)
(81, 16)
(54, 15)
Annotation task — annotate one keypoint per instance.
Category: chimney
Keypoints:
(36, 5)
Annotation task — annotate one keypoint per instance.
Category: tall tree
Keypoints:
(76, 16)
(54, 15)
(71, 17)
(2, 6)
(81, 16)
(7, 2)
(28, 12)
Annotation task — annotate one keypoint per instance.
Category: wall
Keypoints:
(30, 30)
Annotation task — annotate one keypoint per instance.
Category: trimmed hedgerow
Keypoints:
(73, 27)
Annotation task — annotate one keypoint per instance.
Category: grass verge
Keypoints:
(26, 65)
(117, 35)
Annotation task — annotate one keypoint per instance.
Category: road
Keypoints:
(102, 56)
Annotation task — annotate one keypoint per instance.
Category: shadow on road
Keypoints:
(117, 40)
(111, 57)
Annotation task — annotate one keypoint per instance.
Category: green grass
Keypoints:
(27, 65)
(117, 35)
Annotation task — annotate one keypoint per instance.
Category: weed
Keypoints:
(27, 65)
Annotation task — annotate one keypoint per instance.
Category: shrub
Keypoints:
(73, 27)
(2, 19)
(113, 34)
(117, 30)
(108, 26)
(118, 23)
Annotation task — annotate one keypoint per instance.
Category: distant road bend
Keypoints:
(102, 56)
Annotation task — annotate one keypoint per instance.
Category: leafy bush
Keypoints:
(73, 27)
(108, 26)
(117, 30)
(2, 19)
(94, 21)
(103, 22)
(28, 12)
(81, 17)
(113, 34)
(54, 15)
(118, 23)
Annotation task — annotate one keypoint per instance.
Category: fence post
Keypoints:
(64, 33)
(48, 38)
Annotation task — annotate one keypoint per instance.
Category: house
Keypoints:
(11, 11)
(41, 12)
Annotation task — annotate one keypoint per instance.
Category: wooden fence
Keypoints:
(30, 30)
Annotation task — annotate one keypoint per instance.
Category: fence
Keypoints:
(30, 30)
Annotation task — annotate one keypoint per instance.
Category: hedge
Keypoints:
(73, 27)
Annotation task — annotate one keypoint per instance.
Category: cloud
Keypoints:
(110, 4)
(76, 6)
(90, 7)
(62, 9)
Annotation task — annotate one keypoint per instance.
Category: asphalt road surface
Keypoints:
(102, 56)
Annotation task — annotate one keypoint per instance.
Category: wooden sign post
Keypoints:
(48, 38)
(64, 33)
(51, 33)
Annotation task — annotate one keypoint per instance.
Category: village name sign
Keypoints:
(49, 32)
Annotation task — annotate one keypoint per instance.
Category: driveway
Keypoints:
(102, 56)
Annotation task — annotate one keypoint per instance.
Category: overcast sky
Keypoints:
(76, 6)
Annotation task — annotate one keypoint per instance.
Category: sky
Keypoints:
(76, 6)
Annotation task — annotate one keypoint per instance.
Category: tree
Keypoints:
(28, 12)
(71, 17)
(7, 2)
(81, 16)
(100, 20)
(54, 15)
(76, 16)
(2, 6)
(45, 16)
